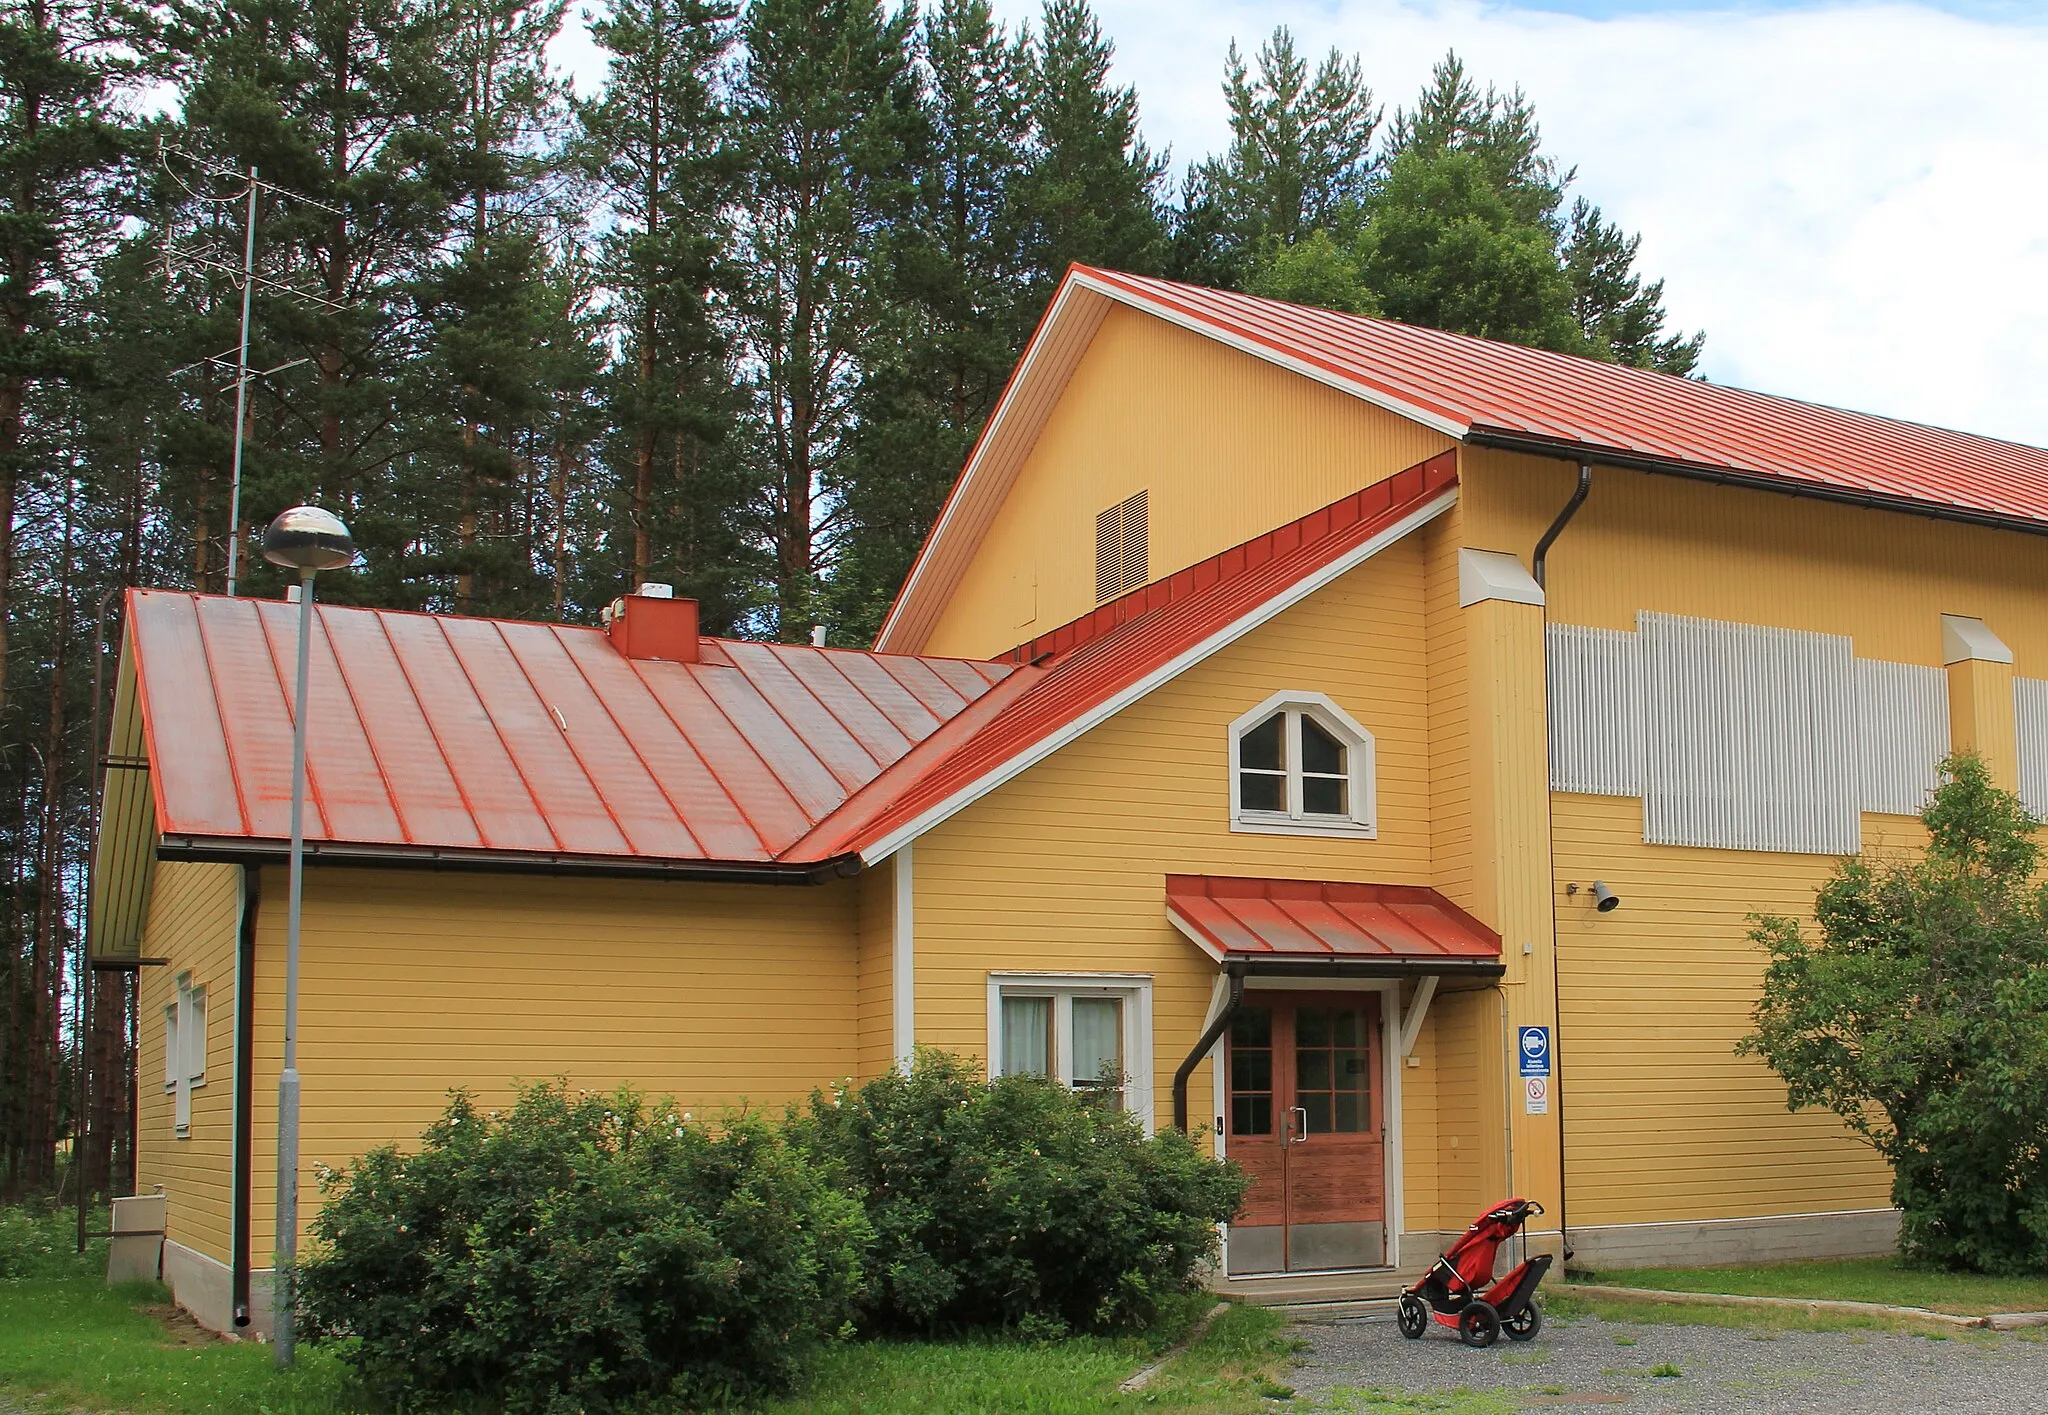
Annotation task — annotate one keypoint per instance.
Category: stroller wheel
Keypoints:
(1413, 1316)
(1524, 1325)
(1479, 1325)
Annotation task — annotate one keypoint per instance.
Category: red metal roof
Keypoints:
(1311, 919)
(1110, 651)
(434, 733)
(1484, 390)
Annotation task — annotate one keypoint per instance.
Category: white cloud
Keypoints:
(1852, 201)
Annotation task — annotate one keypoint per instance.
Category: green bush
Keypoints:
(1920, 1017)
(580, 1251)
(36, 1242)
(1018, 1203)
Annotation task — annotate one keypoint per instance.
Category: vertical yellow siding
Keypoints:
(192, 919)
(1228, 447)
(1063, 868)
(1980, 714)
(414, 984)
(1662, 1120)
(1685, 547)
(1452, 867)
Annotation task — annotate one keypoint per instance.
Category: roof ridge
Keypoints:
(1430, 474)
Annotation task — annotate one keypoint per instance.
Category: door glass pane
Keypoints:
(1333, 1080)
(1099, 1042)
(1251, 1071)
(1027, 1036)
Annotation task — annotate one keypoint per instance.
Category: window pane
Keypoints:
(1320, 752)
(1351, 1070)
(1350, 1027)
(1251, 1115)
(1317, 1104)
(1252, 1027)
(1261, 791)
(1261, 747)
(1312, 1027)
(1325, 796)
(1312, 1071)
(1098, 1040)
(1027, 1036)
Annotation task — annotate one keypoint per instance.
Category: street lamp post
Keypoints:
(308, 540)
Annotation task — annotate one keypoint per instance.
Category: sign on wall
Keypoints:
(1532, 1047)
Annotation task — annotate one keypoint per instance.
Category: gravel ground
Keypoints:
(1592, 1364)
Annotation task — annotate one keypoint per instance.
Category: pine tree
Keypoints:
(1621, 317)
(1092, 194)
(1300, 159)
(831, 114)
(661, 143)
(961, 304)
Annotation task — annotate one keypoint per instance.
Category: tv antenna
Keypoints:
(197, 257)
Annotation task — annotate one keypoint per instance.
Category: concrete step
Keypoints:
(1369, 1288)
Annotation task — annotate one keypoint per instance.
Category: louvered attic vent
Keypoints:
(1123, 555)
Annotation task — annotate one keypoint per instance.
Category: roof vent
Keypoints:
(653, 625)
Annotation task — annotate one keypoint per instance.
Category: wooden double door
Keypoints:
(1306, 1118)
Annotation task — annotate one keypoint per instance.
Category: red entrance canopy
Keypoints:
(1312, 920)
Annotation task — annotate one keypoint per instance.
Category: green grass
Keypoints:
(1886, 1280)
(1565, 1305)
(69, 1342)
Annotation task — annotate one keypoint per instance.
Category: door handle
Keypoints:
(1299, 1116)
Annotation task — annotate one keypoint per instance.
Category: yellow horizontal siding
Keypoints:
(415, 984)
(1662, 1120)
(191, 921)
(1226, 445)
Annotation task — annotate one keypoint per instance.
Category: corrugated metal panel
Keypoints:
(2030, 723)
(1751, 741)
(1255, 917)
(1902, 734)
(1596, 711)
(478, 734)
(1503, 388)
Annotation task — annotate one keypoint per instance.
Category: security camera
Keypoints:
(1605, 899)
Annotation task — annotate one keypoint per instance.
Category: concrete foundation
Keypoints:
(1703, 1243)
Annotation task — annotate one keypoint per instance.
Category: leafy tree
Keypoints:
(1919, 1015)
(1321, 269)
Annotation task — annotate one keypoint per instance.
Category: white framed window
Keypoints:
(1301, 765)
(1089, 1031)
(185, 1051)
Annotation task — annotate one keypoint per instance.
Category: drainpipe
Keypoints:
(1208, 1039)
(1564, 517)
(245, 1087)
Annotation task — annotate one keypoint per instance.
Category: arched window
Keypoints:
(1299, 765)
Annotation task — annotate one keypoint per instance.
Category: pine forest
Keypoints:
(727, 315)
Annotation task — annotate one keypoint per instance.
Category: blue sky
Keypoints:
(1851, 198)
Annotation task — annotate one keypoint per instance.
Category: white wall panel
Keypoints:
(2030, 723)
(1750, 739)
(1596, 711)
(1902, 734)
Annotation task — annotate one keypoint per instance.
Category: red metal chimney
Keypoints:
(654, 624)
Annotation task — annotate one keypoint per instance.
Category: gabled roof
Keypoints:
(448, 737)
(1493, 394)
(1109, 659)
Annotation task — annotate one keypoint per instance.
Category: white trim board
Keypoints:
(1229, 634)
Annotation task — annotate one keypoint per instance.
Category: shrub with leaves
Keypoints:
(1017, 1203)
(581, 1251)
(1920, 1017)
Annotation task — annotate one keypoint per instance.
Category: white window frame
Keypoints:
(1134, 990)
(1361, 761)
(184, 1051)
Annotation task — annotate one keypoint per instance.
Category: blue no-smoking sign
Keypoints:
(1535, 1051)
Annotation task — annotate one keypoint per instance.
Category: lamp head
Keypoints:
(1605, 899)
(306, 539)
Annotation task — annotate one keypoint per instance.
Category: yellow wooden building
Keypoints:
(1366, 743)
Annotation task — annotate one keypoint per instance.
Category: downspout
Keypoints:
(1564, 517)
(245, 1048)
(1208, 1039)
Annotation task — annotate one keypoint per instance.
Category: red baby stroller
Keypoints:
(1451, 1289)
